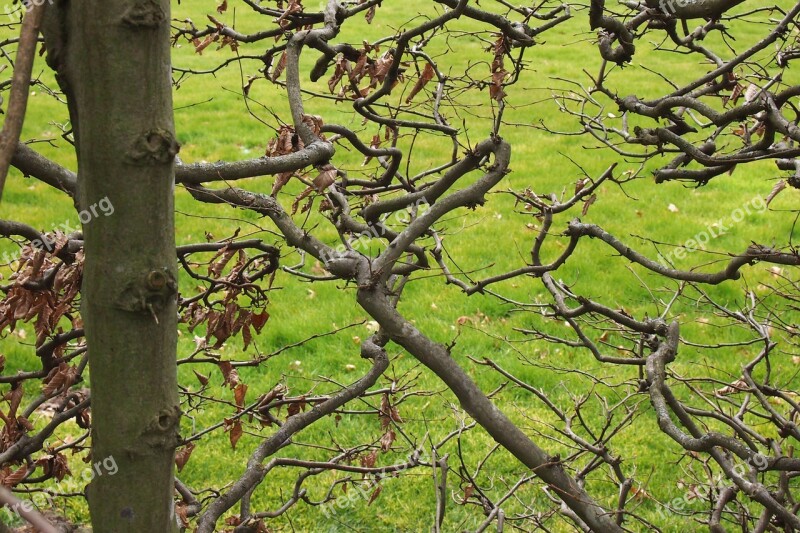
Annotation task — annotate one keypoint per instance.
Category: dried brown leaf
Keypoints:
(229, 374)
(201, 378)
(239, 394)
(387, 440)
(25, 423)
(259, 319)
(12, 479)
(341, 66)
(235, 432)
(370, 14)
(740, 385)
(297, 406)
(295, 6)
(468, 490)
(300, 197)
(424, 78)
(587, 204)
(182, 456)
(280, 180)
(374, 495)
(580, 184)
(781, 185)
(63, 376)
(496, 91)
(182, 513)
(14, 397)
(278, 69)
(368, 460)
(325, 178)
(55, 465)
(218, 262)
(199, 46)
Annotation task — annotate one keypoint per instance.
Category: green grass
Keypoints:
(212, 124)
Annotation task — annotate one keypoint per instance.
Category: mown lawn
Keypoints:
(213, 123)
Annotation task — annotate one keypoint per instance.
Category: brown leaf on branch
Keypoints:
(374, 144)
(300, 197)
(388, 412)
(54, 466)
(278, 69)
(325, 178)
(468, 490)
(234, 429)
(781, 185)
(25, 423)
(61, 377)
(314, 123)
(182, 513)
(247, 336)
(201, 378)
(580, 184)
(239, 394)
(374, 495)
(424, 78)
(341, 66)
(14, 397)
(496, 91)
(297, 406)
(295, 6)
(229, 374)
(258, 320)
(740, 385)
(358, 70)
(199, 45)
(218, 262)
(248, 85)
(379, 69)
(499, 49)
(277, 393)
(639, 493)
(368, 460)
(182, 456)
(219, 25)
(286, 142)
(736, 93)
(228, 41)
(12, 478)
(587, 204)
(387, 440)
(280, 180)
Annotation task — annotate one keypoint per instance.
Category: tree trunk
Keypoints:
(112, 58)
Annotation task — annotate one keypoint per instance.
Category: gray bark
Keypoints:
(112, 59)
(691, 9)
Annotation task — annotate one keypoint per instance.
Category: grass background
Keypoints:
(212, 124)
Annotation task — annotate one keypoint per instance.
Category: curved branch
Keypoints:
(32, 163)
(475, 402)
(255, 472)
(18, 99)
(24, 510)
(313, 154)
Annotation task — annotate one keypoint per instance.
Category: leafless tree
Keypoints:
(735, 434)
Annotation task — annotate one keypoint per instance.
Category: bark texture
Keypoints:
(113, 61)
